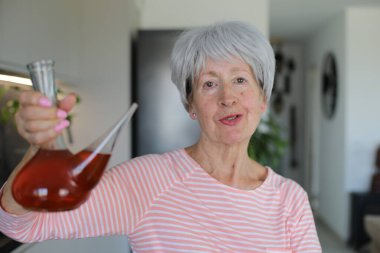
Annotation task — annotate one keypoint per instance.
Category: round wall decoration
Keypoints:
(329, 85)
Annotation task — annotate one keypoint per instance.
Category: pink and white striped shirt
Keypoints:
(168, 203)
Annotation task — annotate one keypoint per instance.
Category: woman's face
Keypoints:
(227, 102)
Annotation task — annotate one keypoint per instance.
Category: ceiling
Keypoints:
(295, 20)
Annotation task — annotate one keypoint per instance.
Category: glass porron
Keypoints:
(54, 179)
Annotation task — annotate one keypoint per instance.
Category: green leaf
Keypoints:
(267, 145)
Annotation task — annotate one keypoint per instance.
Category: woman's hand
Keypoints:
(39, 121)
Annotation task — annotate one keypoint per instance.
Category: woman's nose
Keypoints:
(227, 96)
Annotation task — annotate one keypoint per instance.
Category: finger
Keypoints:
(42, 133)
(34, 98)
(41, 138)
(33, 119)
(41, 113)
(68, 102)
(35, 126)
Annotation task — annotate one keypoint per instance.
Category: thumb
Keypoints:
(68, 102)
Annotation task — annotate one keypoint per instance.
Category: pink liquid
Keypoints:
(48, 182)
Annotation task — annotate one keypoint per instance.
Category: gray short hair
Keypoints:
(221, 41)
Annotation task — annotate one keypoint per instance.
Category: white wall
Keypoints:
(348, 142)
(179, 14)
(31, 30)
(363, 103)
(333, 200)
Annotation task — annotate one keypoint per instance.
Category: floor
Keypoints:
(330, 241)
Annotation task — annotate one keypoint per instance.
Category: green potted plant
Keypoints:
(267, 145)
(10, 107)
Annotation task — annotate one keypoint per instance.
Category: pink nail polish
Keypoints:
(61, 125)
(44, 102)
(61, 114)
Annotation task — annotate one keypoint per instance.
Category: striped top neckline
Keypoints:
(196, 167)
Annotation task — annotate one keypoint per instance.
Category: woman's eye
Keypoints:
(209, 84)
(241, 80)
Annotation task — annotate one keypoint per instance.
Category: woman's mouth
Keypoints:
(231, 120)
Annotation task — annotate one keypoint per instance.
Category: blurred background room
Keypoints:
(324, 105)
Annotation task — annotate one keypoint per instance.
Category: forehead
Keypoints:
(216, 67)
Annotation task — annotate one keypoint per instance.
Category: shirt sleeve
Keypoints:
(115, 206)
(304, 238)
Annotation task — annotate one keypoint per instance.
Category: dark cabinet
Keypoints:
(361, 204)
(161, 124)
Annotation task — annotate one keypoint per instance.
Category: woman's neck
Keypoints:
(229, 164)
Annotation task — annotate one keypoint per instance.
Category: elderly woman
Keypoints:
(209, 197)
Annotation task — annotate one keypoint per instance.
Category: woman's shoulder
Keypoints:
(286, 187)
(147, 161)
(167, 158)
(174, 162)
(291, 195)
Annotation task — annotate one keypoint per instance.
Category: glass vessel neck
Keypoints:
(43, 80)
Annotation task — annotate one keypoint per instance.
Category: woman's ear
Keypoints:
(193, 115)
